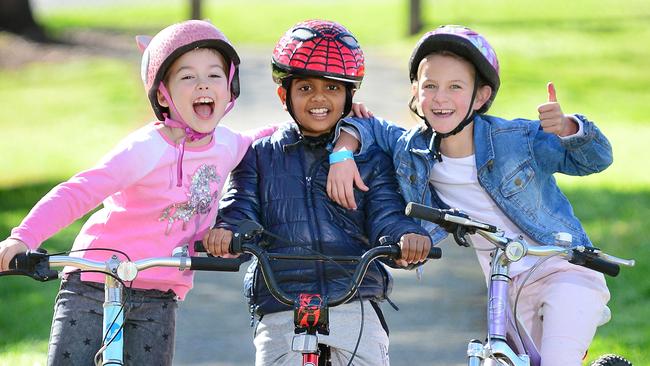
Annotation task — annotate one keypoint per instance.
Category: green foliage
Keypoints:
(70, 113)
(27, 303)
(615, 221)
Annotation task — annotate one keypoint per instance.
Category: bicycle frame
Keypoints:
(498, 346)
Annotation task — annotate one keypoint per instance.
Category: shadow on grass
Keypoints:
(23, 197)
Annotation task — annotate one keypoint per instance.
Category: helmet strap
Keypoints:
(286, 84)
(190, 133)
(436, 140)
(348, 100)
(231, 74)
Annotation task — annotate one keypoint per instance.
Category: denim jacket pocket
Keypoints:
(517, 181)
(404, 170)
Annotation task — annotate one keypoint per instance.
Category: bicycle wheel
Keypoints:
(611, 360)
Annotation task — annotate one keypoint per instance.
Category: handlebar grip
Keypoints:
(198, 247)
(419, 211)
(597, 264)
(20, 262)
(215, 264)
(435, 253)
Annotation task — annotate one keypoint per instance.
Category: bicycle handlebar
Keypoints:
(589, 257)
(240, 246)
(38, 264)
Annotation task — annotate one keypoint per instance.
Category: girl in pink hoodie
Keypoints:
(160, 189)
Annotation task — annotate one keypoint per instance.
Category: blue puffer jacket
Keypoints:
(280, 184)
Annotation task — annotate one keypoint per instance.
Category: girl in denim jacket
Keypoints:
(497, 171)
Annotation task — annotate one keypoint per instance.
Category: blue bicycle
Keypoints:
(39, 266)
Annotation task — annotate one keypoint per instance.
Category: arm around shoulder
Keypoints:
(375, 131)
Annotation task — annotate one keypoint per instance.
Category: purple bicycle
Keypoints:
(502, 348)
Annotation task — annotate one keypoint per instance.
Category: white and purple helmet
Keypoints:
(463, 42)
(171, 43)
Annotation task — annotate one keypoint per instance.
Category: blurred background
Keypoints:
(70, 90)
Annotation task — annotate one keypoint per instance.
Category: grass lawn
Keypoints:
(595, 51)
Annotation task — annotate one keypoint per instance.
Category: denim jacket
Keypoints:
(515, 162)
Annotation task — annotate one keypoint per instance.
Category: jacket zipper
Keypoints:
(316, 243)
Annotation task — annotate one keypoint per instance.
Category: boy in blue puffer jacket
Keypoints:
(280, 184)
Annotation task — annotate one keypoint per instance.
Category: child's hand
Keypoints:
(340, 180)
(360, 110)
(415, 249)
(8, 250)
(551, 116)
(217, 243)
(344, 174)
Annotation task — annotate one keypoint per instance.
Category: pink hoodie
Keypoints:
(145, 214)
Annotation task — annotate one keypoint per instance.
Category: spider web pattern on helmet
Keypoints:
(329, 50)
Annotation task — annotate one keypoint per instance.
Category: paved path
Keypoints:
(438, 314)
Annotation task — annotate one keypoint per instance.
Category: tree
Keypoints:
(16, 16)
(415, 16)
(195, 6)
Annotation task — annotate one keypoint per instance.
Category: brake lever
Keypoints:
(34, 264)
(460, 235)
(247, 230)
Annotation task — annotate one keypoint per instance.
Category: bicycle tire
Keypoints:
(611, 360)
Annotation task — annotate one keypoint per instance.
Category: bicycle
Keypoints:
(38, 265)
(501, 347)
(311, 311)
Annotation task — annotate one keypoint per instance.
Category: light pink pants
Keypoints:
(561, 306)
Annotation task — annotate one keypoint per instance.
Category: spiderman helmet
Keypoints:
(318, 48)
(463, 42)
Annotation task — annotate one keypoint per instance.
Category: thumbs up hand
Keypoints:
(551, 117)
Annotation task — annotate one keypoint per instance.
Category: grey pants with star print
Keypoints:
(76, 332)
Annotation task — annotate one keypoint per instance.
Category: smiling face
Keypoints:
(317, 103)
(198, 85)
(444, 89)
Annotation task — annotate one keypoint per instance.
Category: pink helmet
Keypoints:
(465, 43)
(175, 40)
(318, 48)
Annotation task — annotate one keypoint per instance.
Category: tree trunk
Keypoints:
(195, 6)
(16, 17)
(415, 16)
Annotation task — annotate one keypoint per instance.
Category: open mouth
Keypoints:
(319, 113)
(203, 107)
(442, 112)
